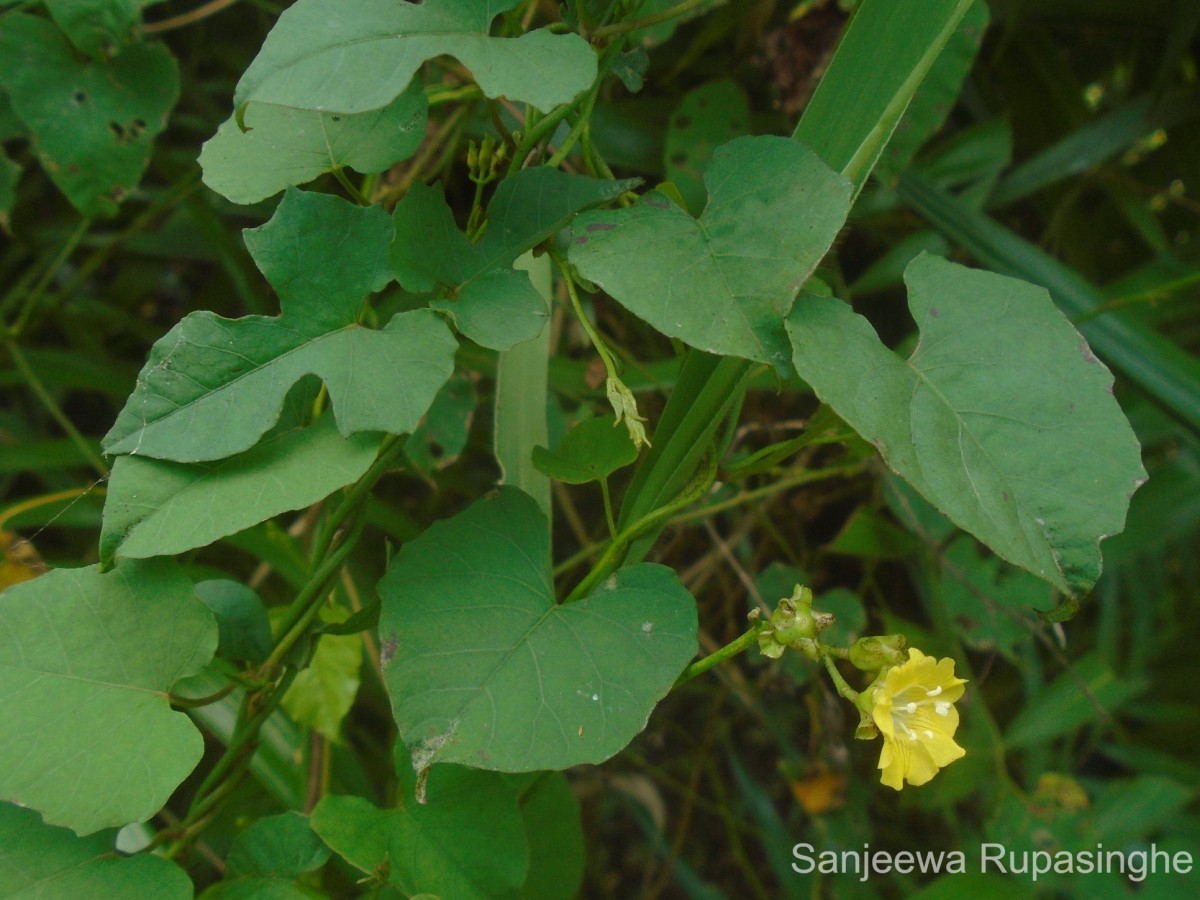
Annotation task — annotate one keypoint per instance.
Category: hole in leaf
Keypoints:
(436, 450)
(683, 122)
(678, 158)
(79, 97)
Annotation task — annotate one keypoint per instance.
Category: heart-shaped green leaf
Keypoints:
(723, 282)
(282, 146)
(330, 56)
(212, 386)
(491, 303)
(1002, 417)
(87, 735)
(40, 861)
(484, 668)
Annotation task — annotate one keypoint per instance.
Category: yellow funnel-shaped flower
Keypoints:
(914, 710)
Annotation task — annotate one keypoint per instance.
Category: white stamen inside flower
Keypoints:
(934, 692)
(942, 709)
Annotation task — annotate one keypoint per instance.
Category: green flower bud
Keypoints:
(873, 653)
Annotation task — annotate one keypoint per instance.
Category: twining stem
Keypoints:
(577, 129)
(389, 450)
(308, 602)
(256, 708)
(733, 648)
(606, 355)
(258, 705)
(195, 702)
(534, 135)
(608, 508)
(807, 476)
(614, 553)
(355, 194)
(544, 127)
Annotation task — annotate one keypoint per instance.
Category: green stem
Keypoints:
(196, 702)
(308, 602)
(705, 391)
(730, 650)
(843, 686)
(245, 734)
(438, 94)
(817, 431)
(340, 174)
(52, 407)
(615, 552)
(388, 451)
(808, 476)
(577, 129)
(536, 133)
(608, 507)
(231, 767)
(606, 355)
(678, 9)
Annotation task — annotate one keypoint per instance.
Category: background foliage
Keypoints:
(1056, 142)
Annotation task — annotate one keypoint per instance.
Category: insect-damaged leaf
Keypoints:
(92, 123)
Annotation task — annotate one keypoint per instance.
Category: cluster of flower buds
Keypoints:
(794, 624)
(485, 159)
